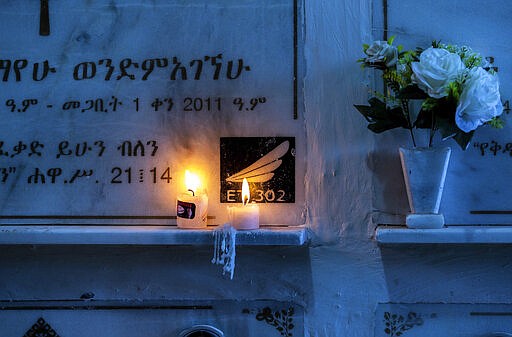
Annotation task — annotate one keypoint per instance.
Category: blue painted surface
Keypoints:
(343, 276)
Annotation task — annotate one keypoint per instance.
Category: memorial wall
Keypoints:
(103, 115)
(106, 105)
(477, 183)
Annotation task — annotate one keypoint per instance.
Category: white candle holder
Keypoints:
(244, 217)
(192, 211)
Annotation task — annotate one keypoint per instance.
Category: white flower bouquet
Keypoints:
(457, 88)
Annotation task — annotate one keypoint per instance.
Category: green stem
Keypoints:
(405, 108)
(432, 129)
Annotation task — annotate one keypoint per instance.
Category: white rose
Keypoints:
(480, 100)
(435, 70)
(381, 51)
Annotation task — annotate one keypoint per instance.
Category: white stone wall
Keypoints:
(342, 276)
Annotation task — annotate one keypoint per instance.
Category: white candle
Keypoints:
(247, 215)
(192, 207)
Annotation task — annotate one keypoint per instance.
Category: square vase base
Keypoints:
(424, 221)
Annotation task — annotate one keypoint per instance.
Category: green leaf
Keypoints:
(391, 39)
(376, 109)
(462, 138)
(365, 110)
(380, 65)
(496, 123)
(378, 105)
(412, 92)
(424, 120)
(450, 130)
(381, 126)
(380, 117)
(446, 128)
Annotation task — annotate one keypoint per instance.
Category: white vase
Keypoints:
(424, 172)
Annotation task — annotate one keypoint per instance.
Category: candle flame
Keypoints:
(191, 181)
(246, 193)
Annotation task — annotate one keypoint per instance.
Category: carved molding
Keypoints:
(282, 320)
(397, 325)
(41, 329)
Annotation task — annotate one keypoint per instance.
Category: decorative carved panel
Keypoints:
(41, 329)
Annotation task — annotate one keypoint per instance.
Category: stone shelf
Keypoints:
(392, 235)
(144, 235)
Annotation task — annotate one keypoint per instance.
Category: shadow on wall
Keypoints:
(448, 274)
(390, 202)
(154, 273)
(154, 290)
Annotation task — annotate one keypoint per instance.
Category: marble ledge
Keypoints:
(456, 234)
(145, 235)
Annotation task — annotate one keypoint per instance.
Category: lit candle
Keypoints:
(246, 216)
(192, 207)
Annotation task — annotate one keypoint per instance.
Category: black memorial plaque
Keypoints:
(268, 164)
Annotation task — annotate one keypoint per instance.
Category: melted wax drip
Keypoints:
(224, 249)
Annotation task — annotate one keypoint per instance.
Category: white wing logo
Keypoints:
(263, 169)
